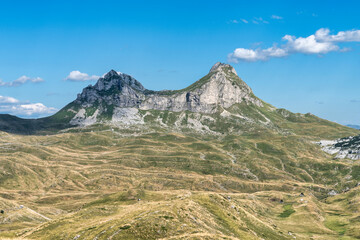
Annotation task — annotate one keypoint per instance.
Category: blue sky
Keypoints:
(299, 55)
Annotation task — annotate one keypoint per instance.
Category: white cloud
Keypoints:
(78, 76)
(20, 81)
(4, 99)
(13, 106)
(319, 43)
(258, 20)
(276, 17)
(275, 52)
(343, 36)
(37, 79)
(257, 54)
(244, 54)
(309, 45)
(255, 20)
(30, 109)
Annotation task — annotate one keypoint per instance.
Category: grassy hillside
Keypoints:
(230, 178)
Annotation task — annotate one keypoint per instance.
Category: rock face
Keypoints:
(220, 88)
(117, 89)
(343, 147)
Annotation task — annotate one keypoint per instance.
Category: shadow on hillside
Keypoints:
(21, 126)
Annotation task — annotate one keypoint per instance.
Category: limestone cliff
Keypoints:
(221, 87)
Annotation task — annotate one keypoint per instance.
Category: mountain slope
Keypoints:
(116, 95)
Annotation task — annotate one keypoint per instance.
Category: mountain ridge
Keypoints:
(221, 86)
(219, 103)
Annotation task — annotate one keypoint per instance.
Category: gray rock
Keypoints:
(343, 148)
(115, 89)
(332, 193)
(220, 88)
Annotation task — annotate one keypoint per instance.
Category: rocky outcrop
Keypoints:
(220, 88)
(117, 89)
(343, 147)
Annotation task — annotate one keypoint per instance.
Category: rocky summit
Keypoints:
(220, 88)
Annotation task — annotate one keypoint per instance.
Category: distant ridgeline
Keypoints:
(353, 126)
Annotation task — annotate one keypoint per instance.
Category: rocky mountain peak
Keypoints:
(114, 88)
(222, 67)
(111, 74)
(117, 80)
(114, 92)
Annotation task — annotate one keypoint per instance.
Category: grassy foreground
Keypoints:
(110, 183)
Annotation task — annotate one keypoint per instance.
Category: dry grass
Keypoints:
(190, 186)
